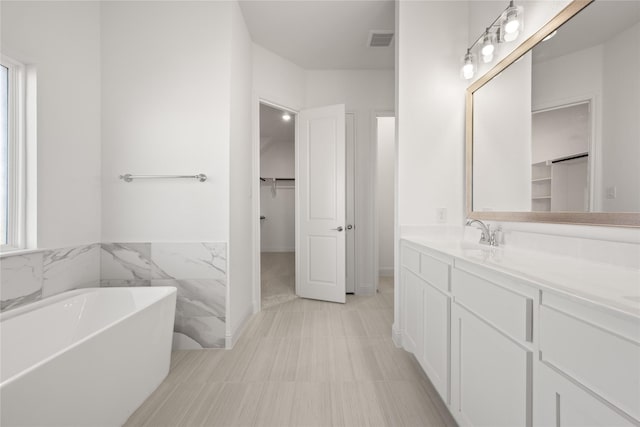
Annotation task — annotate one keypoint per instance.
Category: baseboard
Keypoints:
(232, 339)
(396, 336)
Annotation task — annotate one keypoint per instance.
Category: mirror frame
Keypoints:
(617, 219)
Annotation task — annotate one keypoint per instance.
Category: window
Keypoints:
(12, 155)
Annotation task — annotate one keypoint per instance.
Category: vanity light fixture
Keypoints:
(488, 46)
(505, 28)
(286, 116)
(511, 22)
(469, 65)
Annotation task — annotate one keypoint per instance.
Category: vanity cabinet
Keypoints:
(503, 350)
(492, 358)
(427, 304)
(589, 365)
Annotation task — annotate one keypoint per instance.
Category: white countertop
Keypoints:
(607, 285)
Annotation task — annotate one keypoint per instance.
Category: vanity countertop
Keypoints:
(607, 285)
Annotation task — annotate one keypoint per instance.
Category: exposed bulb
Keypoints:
(286, 117)
(511, 25)
(488, 46)
(469, 67)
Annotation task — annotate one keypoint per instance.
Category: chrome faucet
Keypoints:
(487, 237)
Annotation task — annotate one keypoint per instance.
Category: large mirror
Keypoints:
(553, 131)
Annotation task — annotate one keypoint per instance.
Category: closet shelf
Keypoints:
(540, 197)
(541, 179)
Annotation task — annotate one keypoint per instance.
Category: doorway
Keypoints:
(277, 205)
(289, 145)
(385, 153)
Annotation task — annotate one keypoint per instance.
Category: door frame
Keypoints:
(256, 193)
(374, 187)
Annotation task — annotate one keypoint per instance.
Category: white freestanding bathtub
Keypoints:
(87, 357)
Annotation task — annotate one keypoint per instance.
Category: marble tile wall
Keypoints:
(29, 277)
(197, 270)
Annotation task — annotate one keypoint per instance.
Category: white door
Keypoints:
(321, 214)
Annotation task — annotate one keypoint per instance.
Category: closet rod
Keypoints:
(277, 179)
(578, 156)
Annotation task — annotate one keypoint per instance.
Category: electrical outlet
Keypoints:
(441, 215)
(611, 192)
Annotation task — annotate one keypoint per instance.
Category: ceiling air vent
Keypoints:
(380, 38)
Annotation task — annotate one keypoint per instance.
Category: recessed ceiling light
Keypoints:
(550, 36)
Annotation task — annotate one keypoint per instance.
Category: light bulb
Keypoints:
(511, 22)
(512, 25)
(286, 117)
(469, 66)
(488, 46)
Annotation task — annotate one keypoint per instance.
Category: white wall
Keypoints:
(166, 110)
(277, 231)
(385, 181)
(502, 141)
(621, 122)
(277, 80)
(62, 41)
(430, 109)
(240, 304)
(363, 92)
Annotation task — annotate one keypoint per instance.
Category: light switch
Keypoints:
(611, 192)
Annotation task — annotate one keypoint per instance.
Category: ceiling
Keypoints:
(322, 34)
(597, 23)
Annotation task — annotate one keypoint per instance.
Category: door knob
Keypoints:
(338, 229)
(349, 227)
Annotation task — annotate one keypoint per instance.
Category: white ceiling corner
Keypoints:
(322, 34)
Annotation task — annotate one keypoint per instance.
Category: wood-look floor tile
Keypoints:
(361, 406)
(301, 362)
(202, 405)
(225, 408)
(352, 324)
(152, 404)
(260, 366)
(276, 405)
(313, 405)
(175, 407)
(285, 362)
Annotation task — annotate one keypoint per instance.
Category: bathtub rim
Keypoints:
(163, 292)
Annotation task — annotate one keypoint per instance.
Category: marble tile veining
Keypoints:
(197, 270)
(189, 260)
(21, 276)
(198, 297)
(16, 302)
(70, 268)
(126, 261)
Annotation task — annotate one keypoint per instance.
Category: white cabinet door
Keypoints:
(413, 288)
(491, 374)
(561, 403)
(436, 337)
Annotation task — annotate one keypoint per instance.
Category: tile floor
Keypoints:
(300, 363)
